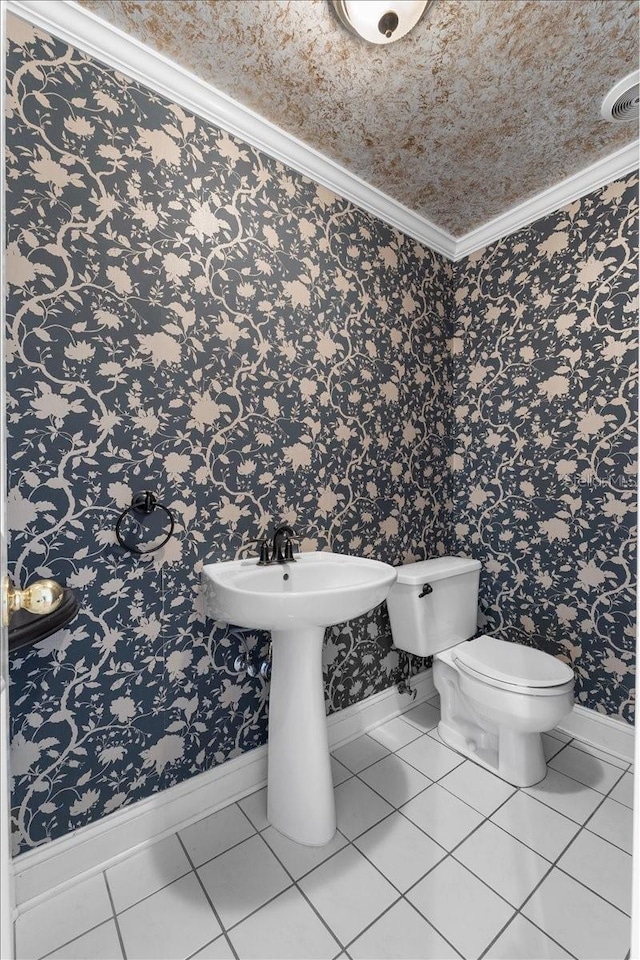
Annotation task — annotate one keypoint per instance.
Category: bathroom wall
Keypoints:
(545, 444)
(188, 316)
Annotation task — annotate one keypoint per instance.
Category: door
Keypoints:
(6, 886)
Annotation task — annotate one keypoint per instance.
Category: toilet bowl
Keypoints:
(496, 697)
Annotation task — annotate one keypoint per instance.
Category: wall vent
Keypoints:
(622, 102)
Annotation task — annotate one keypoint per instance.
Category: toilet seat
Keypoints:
(513, 666)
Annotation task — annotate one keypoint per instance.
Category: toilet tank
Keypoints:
(448, 612)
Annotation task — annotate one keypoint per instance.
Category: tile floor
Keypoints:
(434, 858)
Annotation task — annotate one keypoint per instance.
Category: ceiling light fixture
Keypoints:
(380, 21)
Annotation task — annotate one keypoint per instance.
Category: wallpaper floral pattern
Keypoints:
(545, 447)
(188, 316)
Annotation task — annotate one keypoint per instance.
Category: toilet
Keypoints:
(496, 697)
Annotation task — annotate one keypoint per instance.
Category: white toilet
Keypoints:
(496, 697)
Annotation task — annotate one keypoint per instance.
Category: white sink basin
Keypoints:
(318, 590)
(296, 601)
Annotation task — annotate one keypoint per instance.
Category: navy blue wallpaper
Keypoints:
(545, 458)
(189, 316)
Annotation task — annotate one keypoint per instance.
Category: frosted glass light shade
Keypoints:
(380, 21)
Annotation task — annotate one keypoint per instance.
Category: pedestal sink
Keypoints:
(296, 602)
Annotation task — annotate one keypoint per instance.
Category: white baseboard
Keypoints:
(607, 733)
(92, 848)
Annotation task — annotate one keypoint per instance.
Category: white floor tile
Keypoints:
(216, 950)
(566, 795)
(465, 911)
(477, 787)
(600, 866)
(431, 758)
(400, 851)
(62, 917)
(613, 822)
(623, 790)
(215, 834)
(401, 934)
(442, 815)
(522, 941)
(541, 828)
(578, 920)
(425, 716)
(585, 768)
(607, 757)
(169, 925)
(255, 807)
(298, 858)
(348, 893)
(360, 753)
(101, 943)
(560, 735)
(285, 929)
(551, 746)
(394, 733)
(395, 780)
(339, 773)
(435, 735)
(358, 807)
(143, 873)
(510, 868)
(242, 879)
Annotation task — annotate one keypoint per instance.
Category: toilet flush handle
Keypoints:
(426, 590)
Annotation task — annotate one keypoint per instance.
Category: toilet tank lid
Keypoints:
(439, 568)
(513, 662)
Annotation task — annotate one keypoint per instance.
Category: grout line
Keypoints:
(153, 892)
(544, 877)
(209, 900)
(390, 907)
(73, 940)
(447, 853)
(222, 852)
(554, 865)
(583, 884)
(115, 916)
(221, 936)
(302, 892)
(311, 869)
(404, 802)
(587, 748)
(606, 839)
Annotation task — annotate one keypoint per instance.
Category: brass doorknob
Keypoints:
(43, 596)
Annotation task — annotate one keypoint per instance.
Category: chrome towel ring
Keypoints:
(143, 504)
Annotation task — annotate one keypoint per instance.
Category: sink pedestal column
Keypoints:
(300, 802)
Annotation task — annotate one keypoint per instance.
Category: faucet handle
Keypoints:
(264, 549)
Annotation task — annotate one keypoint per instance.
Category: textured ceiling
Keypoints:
(483, 105)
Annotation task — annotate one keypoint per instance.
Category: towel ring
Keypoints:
(144, 503)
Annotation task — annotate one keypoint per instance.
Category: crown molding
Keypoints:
(83, 29)
(611, 168)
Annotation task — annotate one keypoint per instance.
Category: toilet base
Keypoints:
(516, 758)
(498, 728)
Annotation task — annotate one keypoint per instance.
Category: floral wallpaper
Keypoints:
(545, 438)
(189, 316)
